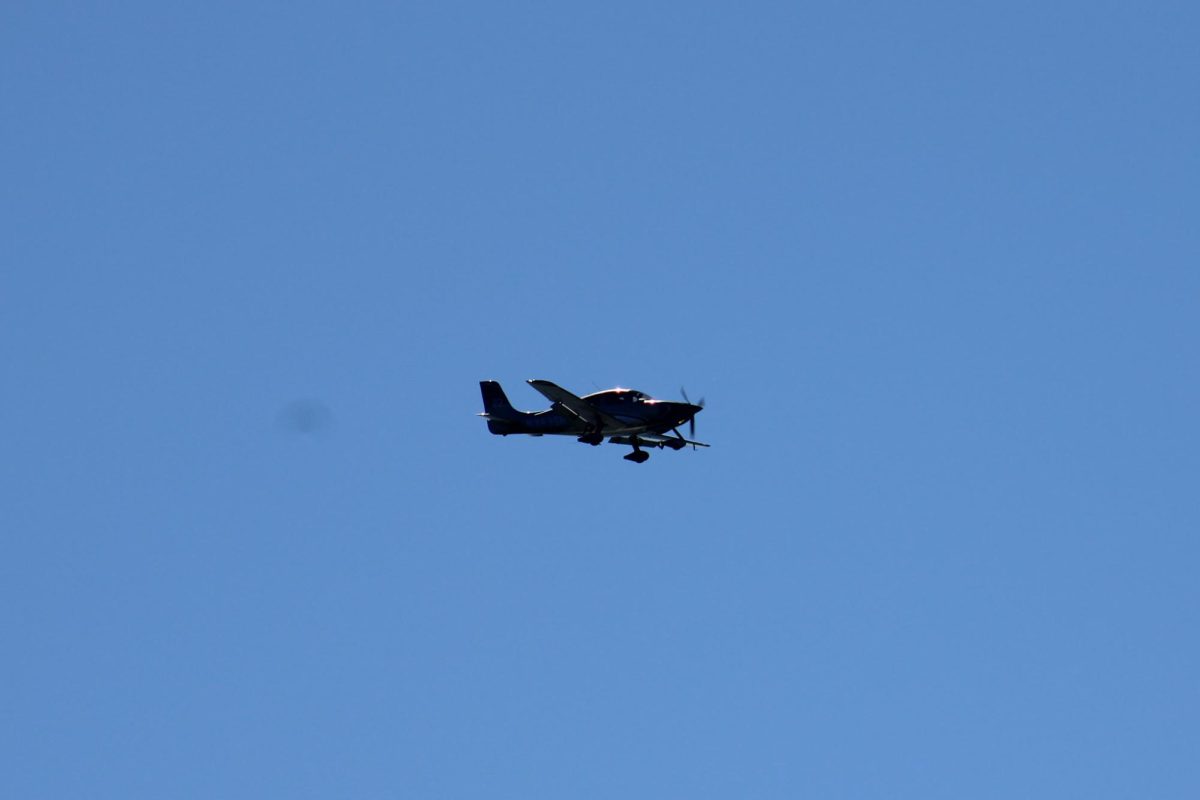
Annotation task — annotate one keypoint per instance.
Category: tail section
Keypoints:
(500, 414)
(495, 402)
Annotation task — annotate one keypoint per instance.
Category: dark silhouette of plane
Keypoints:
(625, 416)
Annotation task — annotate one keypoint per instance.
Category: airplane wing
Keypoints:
(657, 440)
(574, 404)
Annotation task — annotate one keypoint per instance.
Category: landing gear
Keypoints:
(638, 456)
(592, 438)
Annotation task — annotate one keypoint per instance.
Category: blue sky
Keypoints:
(933, 267)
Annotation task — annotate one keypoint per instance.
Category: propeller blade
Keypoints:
(692, 421)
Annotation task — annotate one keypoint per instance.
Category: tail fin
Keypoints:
(499, 412)
(495, 402)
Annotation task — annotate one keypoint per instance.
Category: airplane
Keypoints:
(625, 416)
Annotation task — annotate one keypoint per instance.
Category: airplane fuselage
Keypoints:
(555, 422)
(623, 416)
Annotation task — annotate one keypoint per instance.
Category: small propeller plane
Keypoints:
(625, 416)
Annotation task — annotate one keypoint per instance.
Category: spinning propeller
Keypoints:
(692, 419)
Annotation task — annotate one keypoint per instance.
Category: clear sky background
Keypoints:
(936, 268)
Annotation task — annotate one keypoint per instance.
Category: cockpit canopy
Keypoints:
(619, 396)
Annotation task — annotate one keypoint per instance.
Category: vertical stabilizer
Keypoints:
(495, 402)
(501, 416)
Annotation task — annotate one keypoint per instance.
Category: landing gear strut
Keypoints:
(638, 456)
(592, 438)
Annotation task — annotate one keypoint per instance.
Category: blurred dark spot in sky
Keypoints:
(306, 417)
